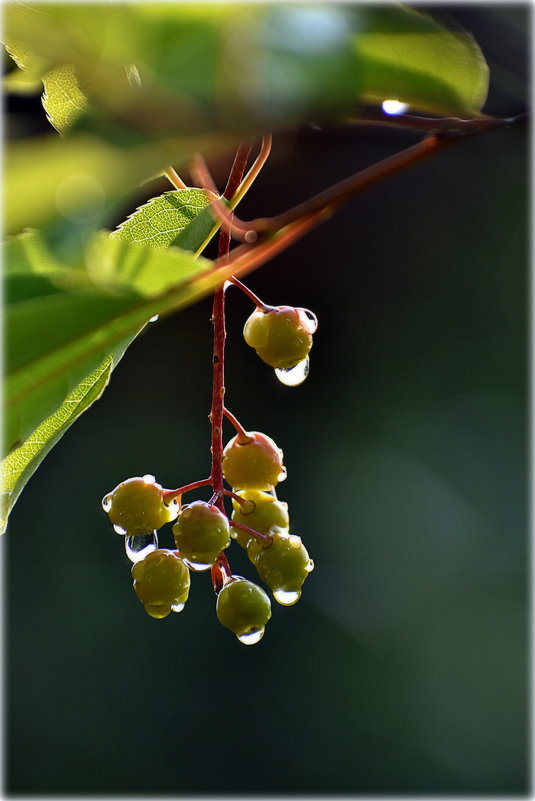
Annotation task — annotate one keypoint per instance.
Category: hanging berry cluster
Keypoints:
(252, 464)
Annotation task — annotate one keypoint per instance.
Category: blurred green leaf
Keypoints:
(407, 56)
(61, 324)
(39, 172)
(162, 82)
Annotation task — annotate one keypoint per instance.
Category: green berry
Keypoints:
(282, 336)
(262, 512)
(136, 506)
(283, 565)
(201, 533)
(254, 464)
(244, 608)
(161, 582)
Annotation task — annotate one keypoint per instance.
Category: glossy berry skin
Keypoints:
(283, 565)
(282, 336)
(201, 533)
(263, 513)
(256, 464)
(161, 581)
(136, 506)
(243, 607)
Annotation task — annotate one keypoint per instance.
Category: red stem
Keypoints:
(243, 501)
(218, 359)
(251, 295)
(204, 482)
(264, 537)
(243, 437)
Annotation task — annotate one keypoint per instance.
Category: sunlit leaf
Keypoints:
(165, 220)
(63, 98)
(21, 463)
(409, 57)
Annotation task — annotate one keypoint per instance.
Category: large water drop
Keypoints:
(197, 567)
(309, 566)
(140, 545)
(177, 607)
(293, 376)
(286, 598)
(106, 502)
(252, 637)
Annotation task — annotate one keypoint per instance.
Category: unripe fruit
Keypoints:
(244, 608)
(201, 533)
(256, 464)
(161, 582)
(283, 565)
(136, 506)
(282, 336)
(262, 513)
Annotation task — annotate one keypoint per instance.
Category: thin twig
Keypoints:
(175, 178)
(202, 176)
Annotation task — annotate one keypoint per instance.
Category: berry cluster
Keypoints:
(252, 465)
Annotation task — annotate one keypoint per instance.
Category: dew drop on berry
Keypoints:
(312, 321)
(177, 607)
(282, 475)
(293, 376)
(173, 507)
(309, 566)
(140, 545)
(252, 637)
(148, 479)
(158, 611)
(286, 598)
(197, 567)
(119, 529)
(106, 502)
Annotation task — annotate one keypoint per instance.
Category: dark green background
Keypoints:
(404, 668)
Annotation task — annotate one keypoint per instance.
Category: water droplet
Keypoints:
(140, 545)
(197, 567)
(310, 566)
(106, 502)
(177, 607)
(154, 319)
(186, 512)
(173, 506)
(252, 637)
(293, 376)
(394, 107)
(312, 321)
(119, 529)
(157, 610)
(295, 541)
(286, 598)
(282, 475)
(148, 479)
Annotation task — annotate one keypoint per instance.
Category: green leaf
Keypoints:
(172, 218)
(63, 98)
(408, 56)
(17, 468)
(67, 328)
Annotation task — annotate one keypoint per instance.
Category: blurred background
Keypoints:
(404, 667)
